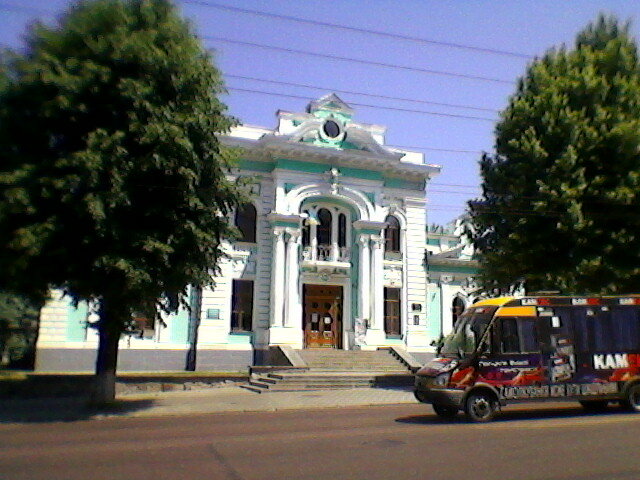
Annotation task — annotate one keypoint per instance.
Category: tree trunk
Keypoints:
(109, 329)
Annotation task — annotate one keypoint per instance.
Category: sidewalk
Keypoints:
(217, 400)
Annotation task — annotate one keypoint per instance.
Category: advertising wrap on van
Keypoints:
(538, 376)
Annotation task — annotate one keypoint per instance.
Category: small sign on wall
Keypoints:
(213, 313)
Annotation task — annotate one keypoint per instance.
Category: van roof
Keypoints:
(493, 302)
(558, 300)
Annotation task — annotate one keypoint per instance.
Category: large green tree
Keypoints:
(561, 195)
(112, 177)
(18, 330)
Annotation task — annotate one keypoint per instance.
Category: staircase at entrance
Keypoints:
(333, 368)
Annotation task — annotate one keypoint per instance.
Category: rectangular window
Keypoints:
(626, 328)
(392, 311)
(518, 335)
(242, 306)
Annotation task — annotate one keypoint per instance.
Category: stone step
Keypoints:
(325, 376)
(309, 388)
(321, 380)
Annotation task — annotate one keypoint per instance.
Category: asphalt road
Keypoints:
(557, 442)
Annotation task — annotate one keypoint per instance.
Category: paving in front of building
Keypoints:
(217, 400)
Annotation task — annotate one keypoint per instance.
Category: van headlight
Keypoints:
(442, 380)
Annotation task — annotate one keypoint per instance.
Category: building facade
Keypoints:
(331, 253)
(452, 271)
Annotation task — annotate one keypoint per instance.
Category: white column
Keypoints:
(334, 236)
(313, 241)
(277, 277)
(364, 284)
(377, 282)
(292, 300)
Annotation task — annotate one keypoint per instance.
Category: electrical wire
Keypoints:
(397, 109)
(351, 92)
(358, 30)
(357, 60)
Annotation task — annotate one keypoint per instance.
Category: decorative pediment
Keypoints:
(334, 132)
(332, 103)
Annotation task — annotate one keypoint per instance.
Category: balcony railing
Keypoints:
(326, 253)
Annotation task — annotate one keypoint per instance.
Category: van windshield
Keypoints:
(465, 338)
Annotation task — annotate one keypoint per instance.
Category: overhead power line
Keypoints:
(378, 33)
(358, 60)
(351, 92)
(398, 109)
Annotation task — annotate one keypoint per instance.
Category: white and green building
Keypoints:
(332, 253)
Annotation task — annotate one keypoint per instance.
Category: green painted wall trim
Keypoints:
(349, 146)
(452, 269)
(403, 184)
(297, 165)
(433, 312)
(256, 166)
(321, 113)
(360, 173)
(371, 196)
(289, 186)
(282, 223)
(313, 167)
(179, 326)
(76, 330)
(240, 338)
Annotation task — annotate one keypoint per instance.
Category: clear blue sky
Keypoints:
(525, 27)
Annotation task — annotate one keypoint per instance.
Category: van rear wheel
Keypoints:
(631, 400)
(594, 405)
(444, 411)
(481, 407)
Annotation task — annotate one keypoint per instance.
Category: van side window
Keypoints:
(510, 341)
(519, 335)
(626, 327)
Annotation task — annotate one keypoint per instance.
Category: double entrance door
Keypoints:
(322, 314)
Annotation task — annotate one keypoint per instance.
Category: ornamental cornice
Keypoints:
(368, 225)
(273, 146)
(288, 220)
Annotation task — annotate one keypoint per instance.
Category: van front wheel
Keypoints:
(632, 399)
(481, 407)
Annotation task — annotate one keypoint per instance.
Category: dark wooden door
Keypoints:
(322, 316)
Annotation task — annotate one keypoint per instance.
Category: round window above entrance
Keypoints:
(331, 129)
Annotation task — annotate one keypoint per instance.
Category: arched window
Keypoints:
(342, 230)
(392, 234)
(324, 227)
(456, 309)
(246, 222)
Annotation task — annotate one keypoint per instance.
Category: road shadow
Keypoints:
(71, 409)
(521, 414)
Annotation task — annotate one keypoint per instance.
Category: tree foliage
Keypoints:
(112, 176)
(18, 330)
(561, 195)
